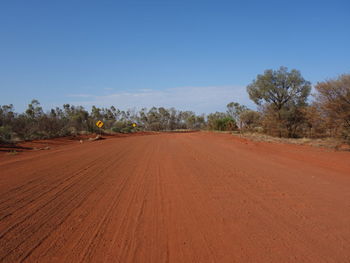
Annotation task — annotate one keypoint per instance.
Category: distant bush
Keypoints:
(221, 121)
(225, 124)
(5, 134)
(250, 120)
(333, 101)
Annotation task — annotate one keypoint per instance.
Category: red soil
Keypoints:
(182, 197)
(45, 144)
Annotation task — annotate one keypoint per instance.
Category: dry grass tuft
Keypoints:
(330, 143)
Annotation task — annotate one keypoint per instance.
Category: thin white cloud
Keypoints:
(80, 96)
(198, 99)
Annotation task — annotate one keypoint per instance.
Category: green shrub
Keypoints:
(5, 134)
(224, 124)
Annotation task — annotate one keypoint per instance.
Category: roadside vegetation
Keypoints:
(286, 108)
(34, 123)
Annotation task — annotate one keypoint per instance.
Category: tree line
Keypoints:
(285, 108)
(34, 123)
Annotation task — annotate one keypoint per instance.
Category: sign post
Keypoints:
(100, 125)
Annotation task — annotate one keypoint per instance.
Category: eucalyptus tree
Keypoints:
(282, 92)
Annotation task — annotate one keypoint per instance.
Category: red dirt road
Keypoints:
(192, 197)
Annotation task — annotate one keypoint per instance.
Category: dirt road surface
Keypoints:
(191, 197)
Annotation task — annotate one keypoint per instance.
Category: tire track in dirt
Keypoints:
(194, 197)
(53, 208)
(273, 202)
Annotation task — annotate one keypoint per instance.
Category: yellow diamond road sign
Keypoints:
(134, 125)
(99, 124)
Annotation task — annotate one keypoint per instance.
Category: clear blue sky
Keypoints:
(196, 55)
